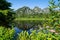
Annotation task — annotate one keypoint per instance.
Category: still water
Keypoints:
(17, 31)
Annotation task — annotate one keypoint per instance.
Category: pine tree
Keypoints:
(6, 14)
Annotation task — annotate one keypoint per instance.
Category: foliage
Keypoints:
(24, 35)
(6, 14)
(4, 5)
(38, 36)
(6, 33)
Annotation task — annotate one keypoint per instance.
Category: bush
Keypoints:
(23, 36)
(38, 36)
(6, 33)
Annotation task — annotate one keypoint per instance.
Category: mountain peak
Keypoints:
(37, 9)
(27, 10)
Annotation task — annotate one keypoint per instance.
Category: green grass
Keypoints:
(29, 19)
(34, 19)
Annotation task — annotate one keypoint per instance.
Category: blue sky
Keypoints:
(30, 3)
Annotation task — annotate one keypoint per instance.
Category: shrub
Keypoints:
(38, 36)
(6, 33)
(23, 36)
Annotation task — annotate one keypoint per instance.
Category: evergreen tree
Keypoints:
(4, 5)
(6, 13)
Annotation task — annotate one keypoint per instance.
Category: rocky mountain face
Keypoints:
(24, 10)
(37, 10)
(28, 11)
(46, 10)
